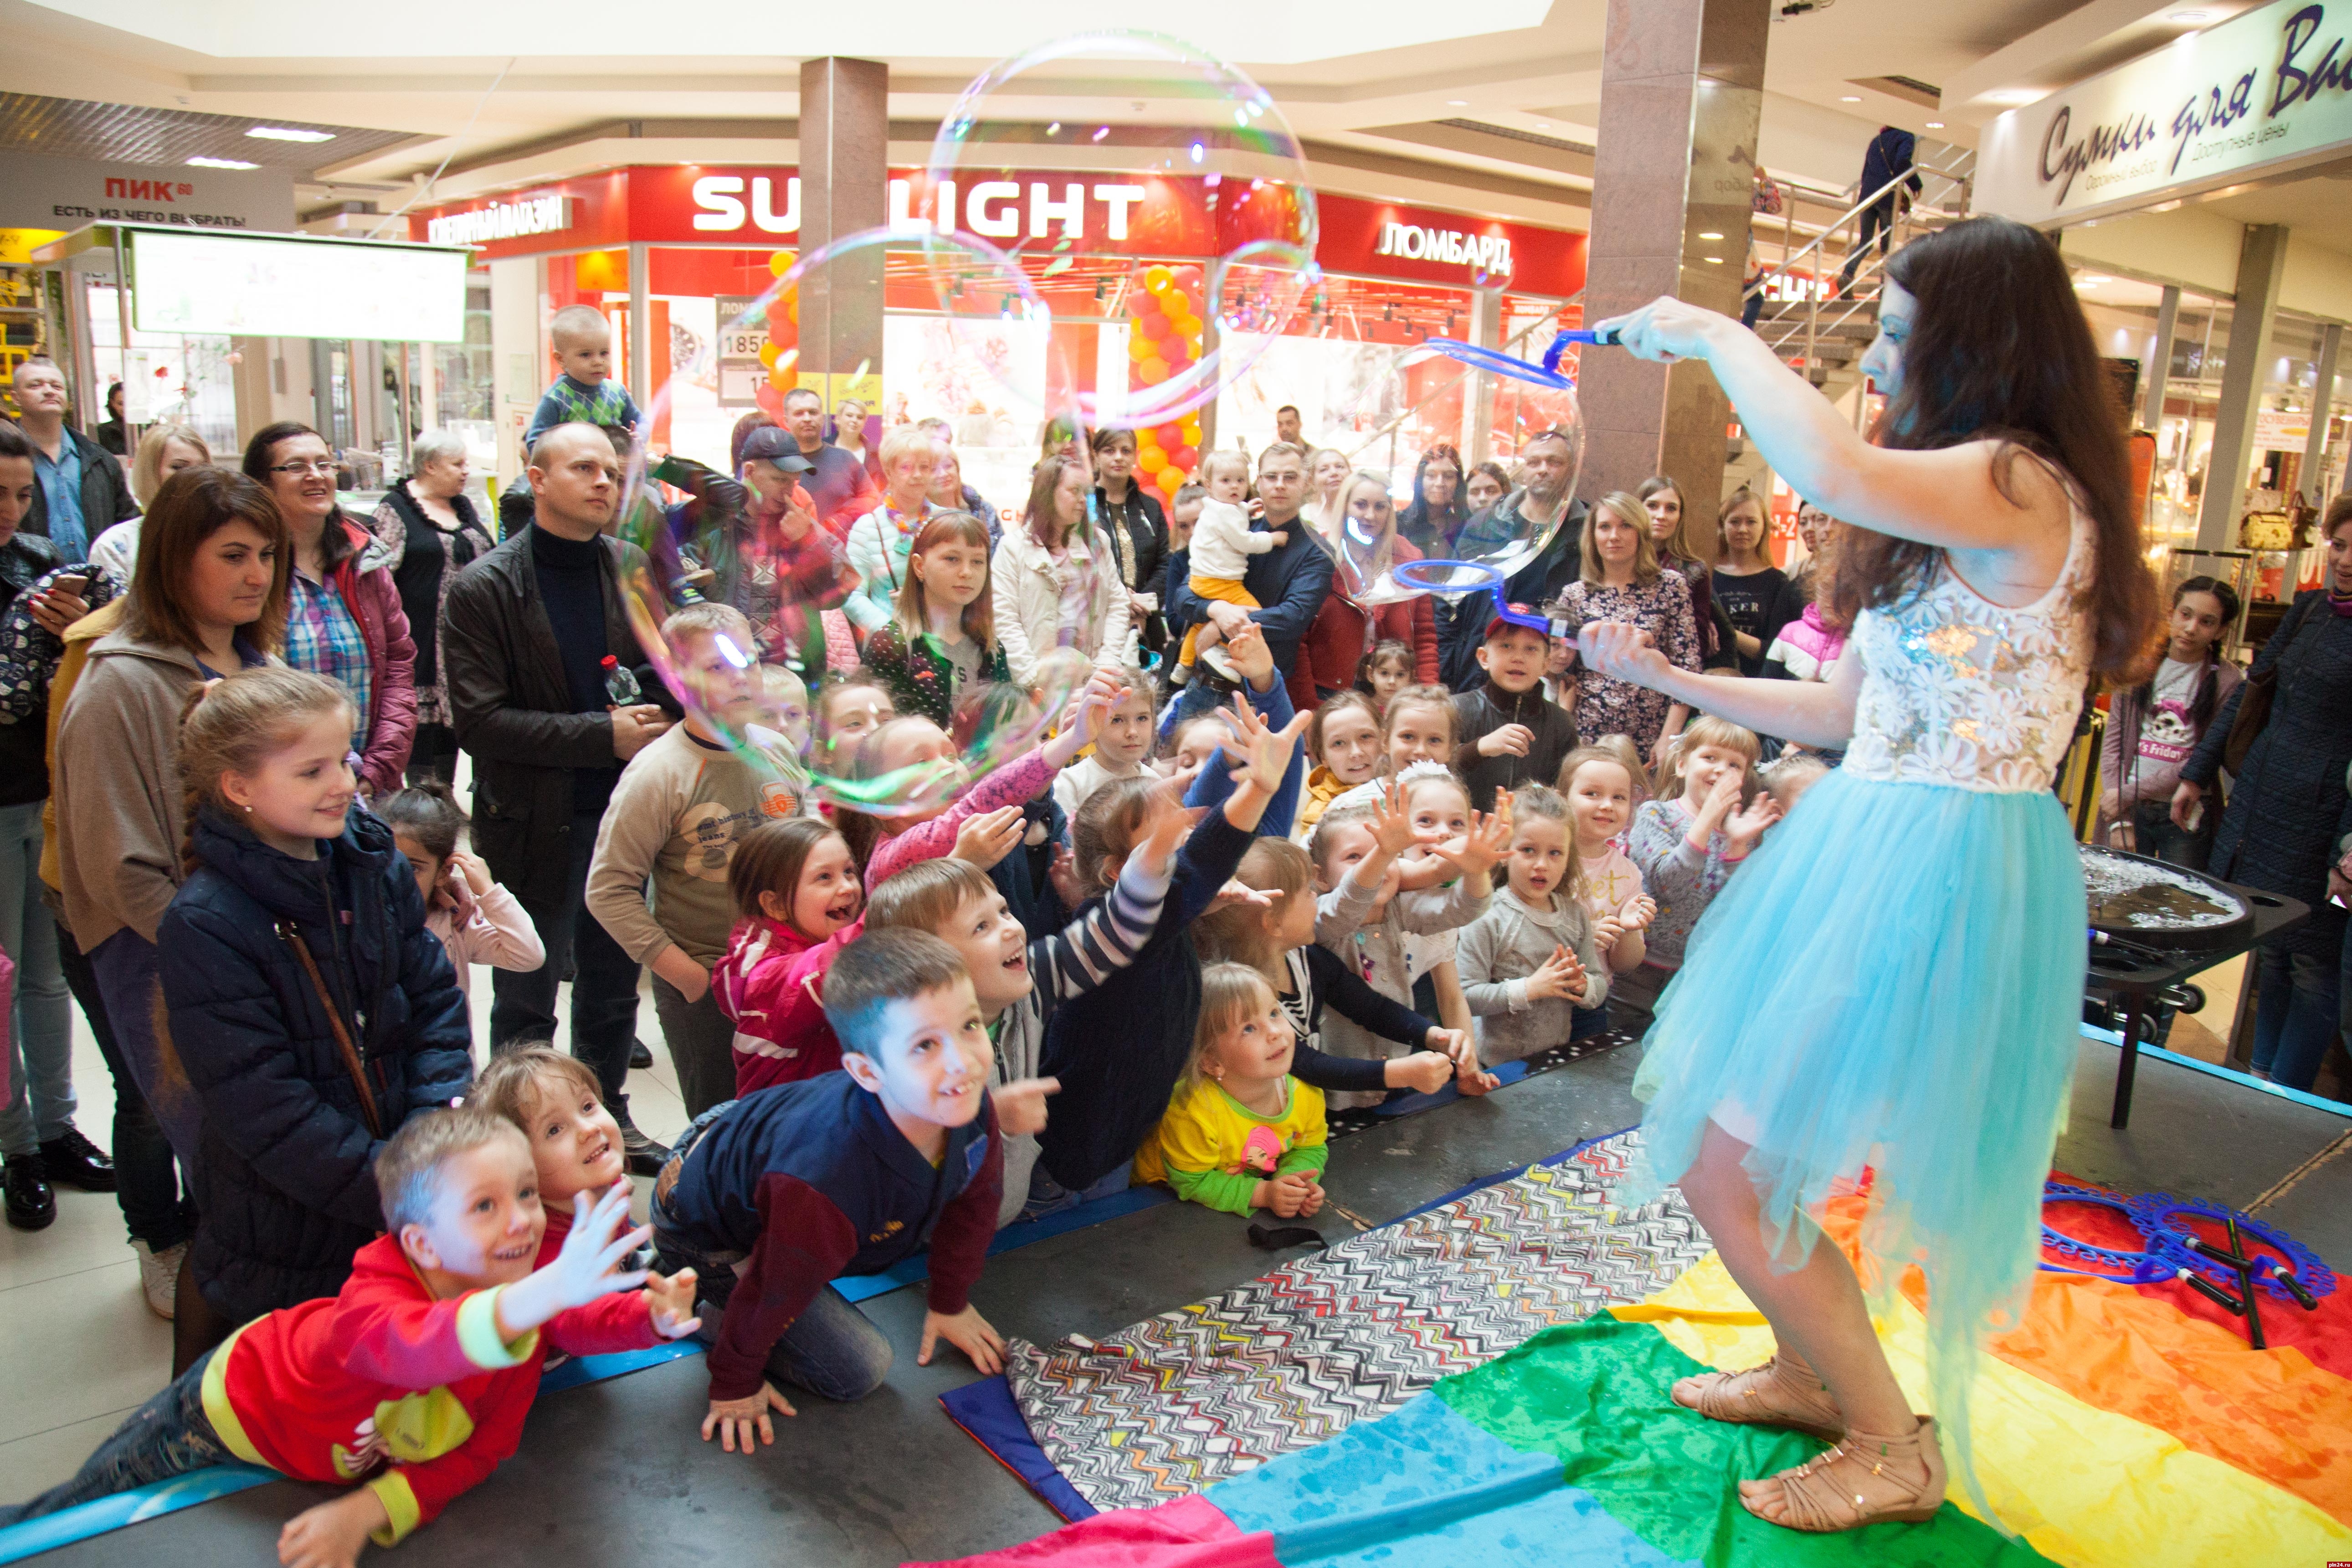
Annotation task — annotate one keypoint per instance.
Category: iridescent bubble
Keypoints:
(1205, 190)
(804, 614)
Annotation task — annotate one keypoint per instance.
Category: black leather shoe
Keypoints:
(641, 1055)
(73, 1161)
(32, 1204)
(645, 1156)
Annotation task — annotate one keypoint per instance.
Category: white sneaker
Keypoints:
(158, 1276)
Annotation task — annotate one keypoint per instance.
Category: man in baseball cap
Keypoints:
(792, 569)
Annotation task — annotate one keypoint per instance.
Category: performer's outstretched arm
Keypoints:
(1815, 712)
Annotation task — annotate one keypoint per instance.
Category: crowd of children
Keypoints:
(905, 1006)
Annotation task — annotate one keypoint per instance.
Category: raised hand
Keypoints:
(988, 837)
(670, 1300)
(1234, 893)
(1665, 329)
(1746, 825)
(1624, 652)
(585, 1269)
(1488, 840)
(1252, 659)
(1392, 823)
(1100, 694)
(1166, 820)
(1267, 751)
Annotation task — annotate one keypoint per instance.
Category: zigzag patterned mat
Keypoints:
(1190, 1397)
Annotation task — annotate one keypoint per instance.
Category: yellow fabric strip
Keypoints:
(477, 1333)
(219, 1411)
(2085, 1486)
(393, 1490)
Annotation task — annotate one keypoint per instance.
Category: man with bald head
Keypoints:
(525, 633)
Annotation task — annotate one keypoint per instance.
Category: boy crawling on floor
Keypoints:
(771, 1197)
(416, 1378)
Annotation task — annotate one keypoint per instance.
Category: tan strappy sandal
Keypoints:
(1783, 1391)
(1856, 1483)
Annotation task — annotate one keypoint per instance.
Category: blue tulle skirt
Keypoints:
(1893, 980)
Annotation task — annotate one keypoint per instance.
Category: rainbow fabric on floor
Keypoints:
(2113, 1430)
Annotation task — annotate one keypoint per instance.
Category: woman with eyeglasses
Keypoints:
(344, 620)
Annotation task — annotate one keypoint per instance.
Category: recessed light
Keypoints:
(287, 133)
(220, 164)
(1851, 97)
(1710, 233)
(1457, 103)
(2190, 18)
(1543, 124)
(1714, 261)
(1935, 125)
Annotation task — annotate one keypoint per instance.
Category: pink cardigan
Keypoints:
(1011, 785)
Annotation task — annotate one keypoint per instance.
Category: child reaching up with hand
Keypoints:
(1241, 1133)
(413, 1380)
(1530, 963)
(797, 902)
(477, 921)
(1689, 840)
(1122, 743)
(919, 766)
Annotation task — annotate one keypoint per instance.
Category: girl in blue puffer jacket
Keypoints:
(311, 1009)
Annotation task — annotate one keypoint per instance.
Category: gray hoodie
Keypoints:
(1498, 952)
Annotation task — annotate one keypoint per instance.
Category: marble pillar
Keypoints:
(1674, 170)
(2261, 267)
(845, 190)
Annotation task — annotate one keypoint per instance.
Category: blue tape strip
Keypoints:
(67, 1526)
(587, 1369)
(2295, 1095)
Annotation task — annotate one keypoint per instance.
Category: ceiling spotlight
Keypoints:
(1543, 124)
(287, 133)
(2189, 18)
(1709, 234)
(1714, 261)
(1457, 103)
(1851, 97)
(1935, 125)
(220, 164)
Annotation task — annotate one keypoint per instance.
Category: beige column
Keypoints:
(844, 189)
(1681, 94)
(2261, 265)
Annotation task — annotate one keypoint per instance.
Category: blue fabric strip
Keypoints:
(586, 1369)
(2114, 1037)
(67, 1526)
(916, 1269)
(990, 1416)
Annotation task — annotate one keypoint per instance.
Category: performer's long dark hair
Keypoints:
(1999, 349)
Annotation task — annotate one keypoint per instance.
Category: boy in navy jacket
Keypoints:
(771, 1198)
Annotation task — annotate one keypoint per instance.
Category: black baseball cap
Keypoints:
(774, 444)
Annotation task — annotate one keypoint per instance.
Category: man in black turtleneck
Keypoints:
(525, 634)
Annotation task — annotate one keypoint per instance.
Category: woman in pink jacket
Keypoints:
(345, 621)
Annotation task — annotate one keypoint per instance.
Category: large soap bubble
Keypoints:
(1201, 184)
(785, 687)
(1538, 429)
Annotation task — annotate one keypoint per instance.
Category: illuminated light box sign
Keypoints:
(297, 287)
(2265, 94)
(539, 213)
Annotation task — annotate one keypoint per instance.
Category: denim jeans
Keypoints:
(133, 989)
(2153, 833)
(701, 1041)
(1047, 1196)
(40, 1103)
(2298, 1012)
(1878, 218)
(603, 982)
(168, 1435)
(831, 1348)
(146, 1175)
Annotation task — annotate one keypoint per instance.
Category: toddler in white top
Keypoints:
(1221, 546)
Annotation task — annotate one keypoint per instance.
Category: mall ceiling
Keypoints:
(1503, 93)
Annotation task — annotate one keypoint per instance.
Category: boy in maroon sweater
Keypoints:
(415, 1379)
(771, 1197)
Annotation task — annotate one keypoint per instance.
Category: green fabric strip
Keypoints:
(1594, 1396)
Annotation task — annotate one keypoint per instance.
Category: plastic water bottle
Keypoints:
(620, 685)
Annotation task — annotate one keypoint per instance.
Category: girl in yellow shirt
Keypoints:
(1241, 1133)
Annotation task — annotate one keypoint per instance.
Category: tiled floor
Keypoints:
(82, 1348)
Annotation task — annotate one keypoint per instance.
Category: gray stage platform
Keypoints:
(613, 1473)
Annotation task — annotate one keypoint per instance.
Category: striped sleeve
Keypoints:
(1105, 938)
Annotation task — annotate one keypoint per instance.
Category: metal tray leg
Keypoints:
(2135, 1019)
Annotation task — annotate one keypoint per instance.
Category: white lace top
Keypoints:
(1958, 690)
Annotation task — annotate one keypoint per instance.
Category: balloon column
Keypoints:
(1164, 327)
(782, 346)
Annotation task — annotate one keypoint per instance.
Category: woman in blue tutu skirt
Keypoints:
(1895, 979)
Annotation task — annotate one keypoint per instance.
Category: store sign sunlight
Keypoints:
(2267, 93)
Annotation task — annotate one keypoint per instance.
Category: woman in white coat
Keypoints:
(1055, 585)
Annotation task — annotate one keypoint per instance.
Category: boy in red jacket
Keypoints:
(414, 1380)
